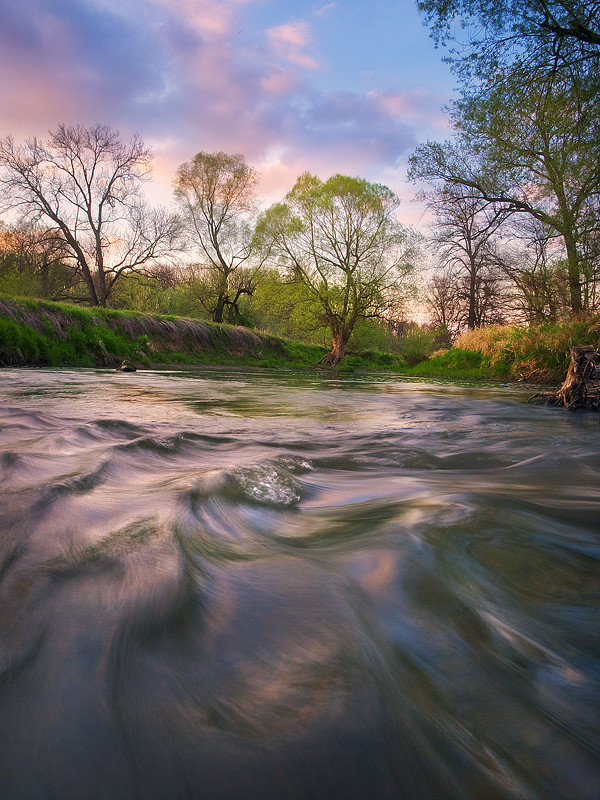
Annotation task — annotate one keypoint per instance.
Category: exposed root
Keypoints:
(581, 387)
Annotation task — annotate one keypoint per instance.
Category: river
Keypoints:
(256, 586)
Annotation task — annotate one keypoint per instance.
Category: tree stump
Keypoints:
(126, 366)
(581, 387)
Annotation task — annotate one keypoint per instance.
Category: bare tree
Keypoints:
(532, 260)
(464, 231)
(217, 193)
(444, 303)
(85, 185)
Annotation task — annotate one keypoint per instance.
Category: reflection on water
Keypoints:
(229, 586)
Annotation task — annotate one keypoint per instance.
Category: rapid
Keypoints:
(232, 585)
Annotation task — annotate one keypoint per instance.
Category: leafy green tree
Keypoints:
(217, 193)
(341, 239)
(85, 185)
(284, 307)
(539, 34)
(533, 150)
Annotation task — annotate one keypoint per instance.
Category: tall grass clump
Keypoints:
(539, 354)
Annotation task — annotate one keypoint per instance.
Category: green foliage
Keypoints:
(417, 344)
(42, 333)
(19, 283)
(285, 308)
(536, 353)
(372, 361)
(341, 240)
(30, 263)
(373, 334)
(137, 293)
(460, 365)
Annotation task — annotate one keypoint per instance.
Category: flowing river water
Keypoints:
(253, 586)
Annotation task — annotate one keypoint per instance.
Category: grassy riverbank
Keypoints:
(45, 334)
(507, 352)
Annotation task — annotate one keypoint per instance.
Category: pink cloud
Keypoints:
(414, 104)
(179, 73)
(290, 41)
(278, 81)
(203, 15)
(326, 10)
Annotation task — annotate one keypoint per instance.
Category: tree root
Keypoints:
(581, 387)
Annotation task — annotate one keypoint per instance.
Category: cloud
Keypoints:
(290, 41)
(279, 81)
(326, 10)
(182, 74)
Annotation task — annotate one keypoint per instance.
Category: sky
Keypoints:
(347, 86)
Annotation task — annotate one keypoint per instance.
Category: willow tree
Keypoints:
(342, 240)
(216, 193)
(84, 184)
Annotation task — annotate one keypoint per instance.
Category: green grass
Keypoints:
(41, 333)
(460, 365)
(21, 343)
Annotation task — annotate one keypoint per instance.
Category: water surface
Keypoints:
(237, 586)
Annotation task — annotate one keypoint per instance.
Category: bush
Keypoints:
(417, 344)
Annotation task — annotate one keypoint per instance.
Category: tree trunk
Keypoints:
(472, 315)
(89, 281)
(573, 392)
(581, 387)
(219, 308)
(574, 274)
(338, 348)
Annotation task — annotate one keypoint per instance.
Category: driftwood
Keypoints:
(126, 366)
(581, 387)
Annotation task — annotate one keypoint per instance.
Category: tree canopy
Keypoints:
(544, 32)
(216, 193)
(342, 240)
(534, 150)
